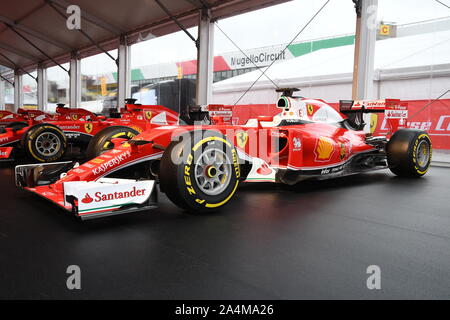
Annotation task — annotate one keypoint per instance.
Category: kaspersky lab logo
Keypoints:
(100, 197)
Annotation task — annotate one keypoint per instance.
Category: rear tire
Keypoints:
(200, 173)
(409, 153)
(101, 142)
(44, 143)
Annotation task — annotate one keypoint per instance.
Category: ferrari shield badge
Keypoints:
(310, 109)
(373, 122)
(242, 139)
(148, 115)
(74, 117)
(88, 127)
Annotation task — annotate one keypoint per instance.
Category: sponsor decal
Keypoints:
(111, 163)
(1, 115)
(72, 135)
(138, 129)
(345, 149)
(324, 149)
(87, 199)
(297, 144)
(108, 194)
(262, 58)
(373, 122)
(242, 139)
(310, 109)
(88, 127)
(99, 196)
(88, 165)
(375, 104)
(443, 123)
(342, 151)
(396, 114)
(264, 170)
(69, 127)
(332, 170)
(97, 160)
(78, 170)
(275, 133)
(5, 152)
(148, 115)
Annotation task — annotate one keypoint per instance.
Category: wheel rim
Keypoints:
(48, 144)
(213, 172)
(423, 153)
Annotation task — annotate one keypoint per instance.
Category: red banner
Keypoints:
(435, 119)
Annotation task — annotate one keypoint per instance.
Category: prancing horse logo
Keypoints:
(88, 127)
(242, 138)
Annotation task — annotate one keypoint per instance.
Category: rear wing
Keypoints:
(220, 114)
(395, 111)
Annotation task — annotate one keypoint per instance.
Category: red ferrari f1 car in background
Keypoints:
(199, 168)
(7, 117)
(45, 138)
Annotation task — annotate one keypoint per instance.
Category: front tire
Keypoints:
(409, 153)
(44, 143)
(200, 173)
(102, 141)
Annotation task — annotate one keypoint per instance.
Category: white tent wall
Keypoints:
(413, 89)
(333, 90)
(410, 68)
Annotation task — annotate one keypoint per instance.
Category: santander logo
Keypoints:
(99, 196)
(87, 199)
(264, 170)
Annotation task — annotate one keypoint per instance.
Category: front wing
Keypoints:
(87, 199)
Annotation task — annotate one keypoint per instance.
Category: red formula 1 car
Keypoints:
(199, 168)
(8, 118)
(46, 138)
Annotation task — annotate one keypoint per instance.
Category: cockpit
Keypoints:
(297, 110)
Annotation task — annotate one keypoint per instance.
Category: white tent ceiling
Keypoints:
(103, 20)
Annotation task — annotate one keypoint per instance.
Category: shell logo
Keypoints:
(324, 149)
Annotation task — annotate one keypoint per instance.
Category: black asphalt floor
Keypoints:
(311, 241)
